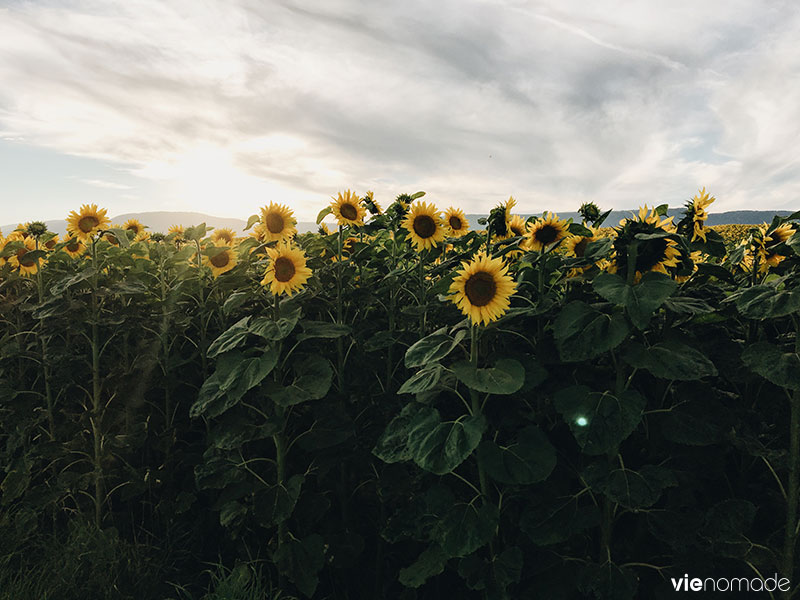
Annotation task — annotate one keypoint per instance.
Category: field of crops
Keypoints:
(406, 406)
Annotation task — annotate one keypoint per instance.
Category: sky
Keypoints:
(224, 106)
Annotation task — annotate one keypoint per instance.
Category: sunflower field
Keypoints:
(403, 406)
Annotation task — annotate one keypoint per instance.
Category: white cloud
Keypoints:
(231, 105)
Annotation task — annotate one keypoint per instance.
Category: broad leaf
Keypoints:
(670, 360)
(506, 377)
(582, 332)
(529, 459)
(445, 446)
(769, 361)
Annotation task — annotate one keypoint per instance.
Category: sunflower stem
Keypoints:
(423, 312)
(339, 313)
(793, 491)
(51, 423)
(96, 417)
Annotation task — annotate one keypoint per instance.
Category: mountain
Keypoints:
(160, 221)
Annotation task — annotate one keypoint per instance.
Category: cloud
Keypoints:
(111, 185)
(557, 104)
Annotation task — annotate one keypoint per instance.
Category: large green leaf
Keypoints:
(529, 459)
(506, 377)
(393, 446)
(323, 329)
(766, 302)
(632, 489)
(441, 448)
(312, 381)
(582, 332)
(272, 330)
(466, 527)
(430, 563)
(640, 300)
(423, 380)
(769, 361)
(229, 339)
(432, 348)
(599, 420)
(275, 504)
(302, 560)
(670, 360)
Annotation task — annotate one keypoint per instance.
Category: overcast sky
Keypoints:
(223, 106)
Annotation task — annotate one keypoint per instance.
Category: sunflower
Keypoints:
(27, 266)
(482, 288)
(287, 272)
(455, 222)
(75, 246)
(279, 222)
(371, 205)
(323, 229)
(766, 243)
(87, 221)
(424, 225)
(347, 209)
(546, 231)
(51, 243)
(225, 235)
(176, 232)
(692, 225)
(220, 262)
(653, 254)
(137, 228)
(575, 245)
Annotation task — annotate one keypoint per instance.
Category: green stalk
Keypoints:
(790, 535)
(48, 391)
(423, 314)
(476, 406)
(339, 312)
(392, 302)
(96, 417)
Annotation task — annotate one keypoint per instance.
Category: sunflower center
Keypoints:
(454, 222)
(348, 211)
(516, 231)
(546, 234)
(133, 228)
(25, 262)
(284, 269)
(73, 247)
(50, 244)
(221, 260)
(424, 226)
(650, 254)
(226, 237)
(274, 222)
(88, 223)
(480, 288)
(580, 247)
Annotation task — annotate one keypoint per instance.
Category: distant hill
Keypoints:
(161, 220)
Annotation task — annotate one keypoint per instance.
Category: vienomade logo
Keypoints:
(730, 584)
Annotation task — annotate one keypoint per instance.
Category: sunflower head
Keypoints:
(371, 205)
(25, 258)
(176, 232)
(347, 209)
(499, 218)
(278, 223)
(74, 246)
(692, 225)
(424, 226)
(575, 245)
(589, 212)
(546, 231)
(658, 253)
(286, 272)
(482, 289)
(158, 237)
(455, 222)
(36, 228)
(137, 228)
(87, 221)
(220, 259)
(224, 236)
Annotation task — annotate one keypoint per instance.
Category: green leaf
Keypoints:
(781, 368)
(467, 527)
(442, 448)
(529, 459)
(638, 489)
(670, 360)
(232, 514)
(599, 421)
(252, 221)
(229, 339)
(640, 300)
(506, 377)
(235, 428)
(578, 229)
(323, 329)
(323, 213)
(272, 330)
(432, 348)
(551, 519)
(275, 504)
(301, 561)
(765, 302)
(422, 381)
(121, 236)
(582, 332)
(312, 381)
(726, 525)
(598, 249)
(417, 195)
(14, 485)
(393, 445)
(430, 563)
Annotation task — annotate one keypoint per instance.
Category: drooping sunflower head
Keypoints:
(220, 259)
(546, 231)
(768, 244)
(36, 228)
(286, 272)
(371, 205)
(24, 259)
(139, 230)
(517, 226)
(424, 225)
(87, 221)
(657, 253)
(175, 232)
(575, 245)
(455, 222)
(278, 221)
(49, 243)
(347, 209)
(589, 212)
(224, 236)
(692, 225)
(482, 289)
